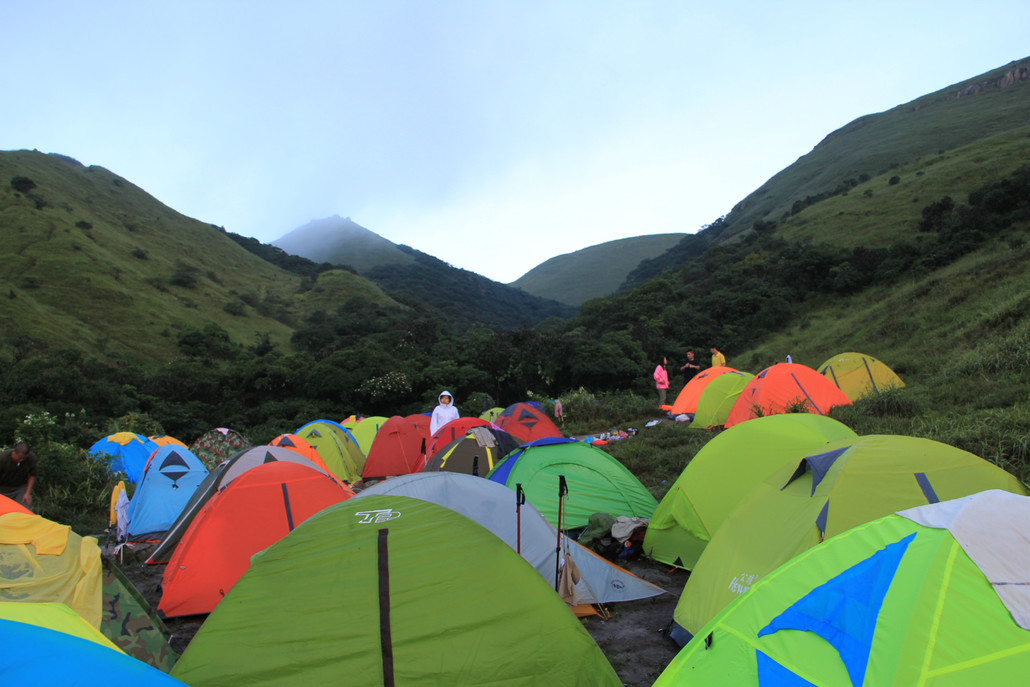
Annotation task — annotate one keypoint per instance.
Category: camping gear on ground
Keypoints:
(129, 453)
(172, 474)
(527, 422)
(337, 446)
(786, 388)
(723, 472)
(597, 482)
(859, 375)
(934, 595)
(250, 513)
(842, 485)
(383, 588)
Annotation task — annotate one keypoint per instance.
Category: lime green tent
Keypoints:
(717, 399)
(844, 484)
(364, 430)
(491, 414)
(723, 472)
(597, 482)
(388, 590)
(903, 600)
(858, 375)
(337, 447)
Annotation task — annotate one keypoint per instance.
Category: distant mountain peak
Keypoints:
(341, 241)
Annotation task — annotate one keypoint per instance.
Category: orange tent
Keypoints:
(399, 448)
(254, 511)
(527, 423)
(786, 387)
(295, 443)
(686, 401)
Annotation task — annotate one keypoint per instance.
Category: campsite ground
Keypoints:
(634, 637)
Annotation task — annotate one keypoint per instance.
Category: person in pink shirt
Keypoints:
(661, 380)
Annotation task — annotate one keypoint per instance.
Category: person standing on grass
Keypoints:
(690, 368)
(443, 413)
(661, 380)
(718, 359)
(18, 473)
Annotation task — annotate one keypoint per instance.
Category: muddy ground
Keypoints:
(634, 637)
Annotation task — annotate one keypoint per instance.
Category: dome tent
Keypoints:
(718, 398)
(687, 399)
(841, 485)
(250, 513)
(722, 473)
(399, 448)
(475, 453)
(597, 482)
(337, 446)
(924, 608)
(388, 588)
(786, 387)
(859, 375)
(129, 453)
(527, 422)
(171, 477)
(492, 505)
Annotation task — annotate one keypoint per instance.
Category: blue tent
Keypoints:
(169, 480)
(129, 453)
(42, 656)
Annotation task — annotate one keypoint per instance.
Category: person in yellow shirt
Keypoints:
(718, 359)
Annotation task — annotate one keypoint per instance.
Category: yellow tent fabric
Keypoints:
(118, 488)
(859, 375)
(43, 561)
(55, 616)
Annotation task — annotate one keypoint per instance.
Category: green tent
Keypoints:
(337, 447)
(388, 590)
(365, 430)
(899, 601)
(717, 399)
(859, 375)
(723, 472)
(844, 484)
(597, 482)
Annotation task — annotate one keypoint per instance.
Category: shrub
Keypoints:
(23, 184)
(138, 252)
(183, 279)
(235, 308)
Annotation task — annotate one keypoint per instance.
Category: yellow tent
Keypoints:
(42, 561)
(858, 375)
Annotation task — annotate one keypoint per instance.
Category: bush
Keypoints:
(23, 184)
(183, 279)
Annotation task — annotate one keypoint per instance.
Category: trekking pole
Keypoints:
(563, 489)
(520, 498)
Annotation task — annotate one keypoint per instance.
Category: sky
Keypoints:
(491, 135)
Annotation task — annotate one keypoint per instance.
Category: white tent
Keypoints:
(492, 505)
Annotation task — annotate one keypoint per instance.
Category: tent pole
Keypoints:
(520, 498)
(563, 489)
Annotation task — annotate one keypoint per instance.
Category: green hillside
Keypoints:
(912, 135)
(592, 272)
(94, 263)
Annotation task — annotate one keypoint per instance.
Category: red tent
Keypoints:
(686, 401)
(786, 386)
(399, 448)
(527, 423)
(254, 511)
(454, 429)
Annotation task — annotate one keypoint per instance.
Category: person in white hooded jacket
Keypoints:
(443, 413)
